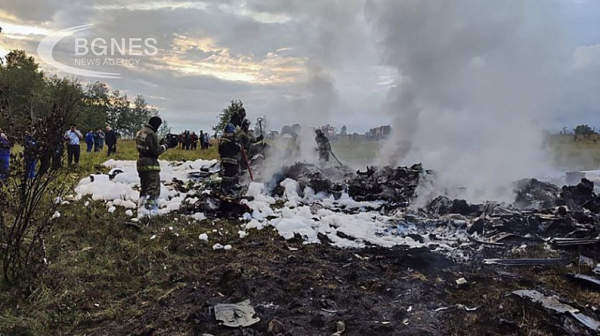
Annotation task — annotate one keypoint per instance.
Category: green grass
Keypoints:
(126, 150)
(102, 273)
(356, 151)
(99, 269)
(577, 155)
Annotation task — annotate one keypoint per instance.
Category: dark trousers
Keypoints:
(111, 149)
(30, 164)
(57, 159)
(73, 152)
(90, 146)
(149, 184)
(230, 177)
(4, 166)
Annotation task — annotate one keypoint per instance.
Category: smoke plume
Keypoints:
(478, 82)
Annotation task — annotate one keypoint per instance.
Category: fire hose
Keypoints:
(247, 163)
(335, 157)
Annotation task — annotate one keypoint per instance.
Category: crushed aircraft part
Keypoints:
(586, 278)
(549, 302)
(525, 262)
(583, 260)
(340, 327)
(442, 205)
(574, 241)
(581, 196)
(215, 204)
(587, 321)
(535, 195)
(309, 175)
(395, 185)
(241, 314)
(552, 303)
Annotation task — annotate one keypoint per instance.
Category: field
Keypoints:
(583, 154)
(105, 278)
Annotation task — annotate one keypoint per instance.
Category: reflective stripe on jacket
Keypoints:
(147, 145)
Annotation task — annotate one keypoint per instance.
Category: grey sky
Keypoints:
(316, 62)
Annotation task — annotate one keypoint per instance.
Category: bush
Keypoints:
(29, 198)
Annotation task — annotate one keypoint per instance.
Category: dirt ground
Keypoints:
(375, 291)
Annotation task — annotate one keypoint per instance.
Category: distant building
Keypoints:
(328, 130)
(379, 133)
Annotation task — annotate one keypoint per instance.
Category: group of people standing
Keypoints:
(95, 140)
(49, 152)
(189, 141)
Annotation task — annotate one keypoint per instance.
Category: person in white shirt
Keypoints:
(73, 136)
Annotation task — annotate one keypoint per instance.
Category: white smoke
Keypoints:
(478, 82)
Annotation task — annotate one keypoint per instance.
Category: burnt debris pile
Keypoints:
(541, 212)
(214, 204)
(396, 185)
(309, 175)
(393, 185)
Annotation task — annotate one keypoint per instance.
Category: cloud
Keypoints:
(274, 54)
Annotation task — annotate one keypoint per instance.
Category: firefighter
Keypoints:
(238, 117)
(323, 146)
(147, 165)
(243, 138)
(229, 150)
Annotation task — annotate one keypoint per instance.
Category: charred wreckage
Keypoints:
(559, 225)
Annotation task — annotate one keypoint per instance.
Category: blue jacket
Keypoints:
(89, 137)
(4, 147)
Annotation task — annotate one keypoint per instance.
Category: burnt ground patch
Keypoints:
(374, 291)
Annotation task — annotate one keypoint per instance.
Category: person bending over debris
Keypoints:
(323, 146)
(229, 150)
(148, 167)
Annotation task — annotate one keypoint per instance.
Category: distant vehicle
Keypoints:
(274, 135)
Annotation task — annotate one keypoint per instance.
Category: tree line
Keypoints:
(30, 94)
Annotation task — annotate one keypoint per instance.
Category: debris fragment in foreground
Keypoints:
(588, 279)
(240, 314)
(583, 260)
(340, 327)
(552, 303)
(459, 306)
(524, 262)
(574, 241)
(275, 327)
(587, 321)
(549, 302)
(461, 281)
